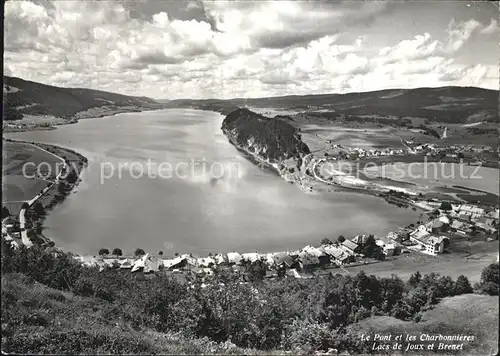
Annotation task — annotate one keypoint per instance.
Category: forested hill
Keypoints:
(445, 104)
(273, 139)
(26, 97)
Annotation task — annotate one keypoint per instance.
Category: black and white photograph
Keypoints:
(250, 177)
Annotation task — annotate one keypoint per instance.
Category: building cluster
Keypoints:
(452, 151)
(340, 254)
(434, 236)
(10, 232)
(347, 153)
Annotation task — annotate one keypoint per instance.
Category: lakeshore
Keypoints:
(226, 202)
(63, 180)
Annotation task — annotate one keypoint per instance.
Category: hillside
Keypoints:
(43, 320)
(271, 139)
(51, 305)
(22, 97)
(445, 104)
(468, 314)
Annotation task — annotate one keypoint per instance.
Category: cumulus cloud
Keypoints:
(491, 28)
(245, 48)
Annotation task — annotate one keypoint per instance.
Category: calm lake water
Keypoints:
(246, 209)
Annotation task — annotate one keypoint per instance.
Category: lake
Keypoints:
(162, 201)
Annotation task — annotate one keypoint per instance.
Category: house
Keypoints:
(457, 225)
(127, 264)
(147, 264)
(444, 219)
(350, 247)
(220, 258)
(233, 258)
(281, 259)
(323, 258)
(392, 236)
(389, 246)
(337, 255)
(438, 226)
(360, 239)
(250, 257)
(487, 228)
(419, 233)
(432, 245)
(307, 261)
(485, 221)
(175, 263)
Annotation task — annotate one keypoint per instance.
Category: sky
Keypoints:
(226, 49)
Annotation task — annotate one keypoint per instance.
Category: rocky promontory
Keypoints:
(272, 141)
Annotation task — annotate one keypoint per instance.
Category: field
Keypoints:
(468, 314)
(467, 258)
(19, 187)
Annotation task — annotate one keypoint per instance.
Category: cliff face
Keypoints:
(271, 139)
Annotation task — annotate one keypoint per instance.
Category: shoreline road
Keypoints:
(22, 218)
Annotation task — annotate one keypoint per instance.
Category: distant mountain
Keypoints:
(444, 104)
(271, 139)
(26, 97)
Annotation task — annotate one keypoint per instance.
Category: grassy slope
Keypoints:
(41, 99)
(468, 314)
(49, 321)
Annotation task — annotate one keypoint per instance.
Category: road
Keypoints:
(22, 214)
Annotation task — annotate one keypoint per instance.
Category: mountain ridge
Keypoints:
(451, 104)
(23, 97)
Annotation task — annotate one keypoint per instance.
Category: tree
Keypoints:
(39, 209)
(371, 248)
(326, 241)
(139, 252)
(5, 212)
(462, 285)
(160, 253)
(25, 206)
(490, 279)
(256, 270)
(103, 252)
(117, 252)
(414, 279)
(446, 286)
(341, 239)
(446, 206)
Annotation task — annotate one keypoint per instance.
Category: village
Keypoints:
(475, 154)
(434, 237)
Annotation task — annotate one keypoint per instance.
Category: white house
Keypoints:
(336, 254)
(234, 257)
(388, 247)
(250, 256)
(431, 245)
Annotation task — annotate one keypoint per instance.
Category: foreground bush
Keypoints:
(310, 315)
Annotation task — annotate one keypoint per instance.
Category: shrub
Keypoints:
(489, 282)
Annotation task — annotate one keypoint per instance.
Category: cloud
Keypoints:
(459, 33)
(244, 48)
(491, 28)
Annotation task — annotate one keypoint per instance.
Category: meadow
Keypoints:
(19, 186)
